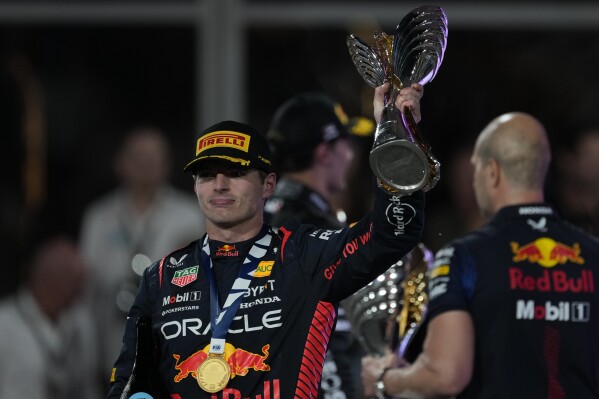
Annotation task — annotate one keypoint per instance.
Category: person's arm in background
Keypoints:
(444, 367)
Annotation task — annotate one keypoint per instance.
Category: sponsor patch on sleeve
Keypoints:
(442, 270)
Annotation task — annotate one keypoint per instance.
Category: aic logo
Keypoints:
(546, 252)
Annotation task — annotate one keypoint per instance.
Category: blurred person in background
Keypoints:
(356, 199)
(312, 152)
(48, 348)
(512, 304)
(128, 228)
(578, 187)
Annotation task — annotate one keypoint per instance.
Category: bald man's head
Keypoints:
(519, 144)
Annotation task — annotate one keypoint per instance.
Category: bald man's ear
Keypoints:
(495, 173)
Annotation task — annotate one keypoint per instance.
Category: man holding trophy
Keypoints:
(247, 310)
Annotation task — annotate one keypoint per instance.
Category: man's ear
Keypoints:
(270, 183)
(195, 186)
(495, 173)
(322, 153)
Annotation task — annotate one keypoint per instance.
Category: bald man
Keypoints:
(513, 306)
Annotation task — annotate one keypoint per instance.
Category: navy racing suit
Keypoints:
(278, 339)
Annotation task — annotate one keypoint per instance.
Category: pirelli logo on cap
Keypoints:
(230, 139)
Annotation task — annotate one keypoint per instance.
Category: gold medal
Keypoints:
(214, 373)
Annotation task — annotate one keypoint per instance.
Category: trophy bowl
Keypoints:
(400, 157)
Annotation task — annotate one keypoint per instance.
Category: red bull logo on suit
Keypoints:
(240, 361)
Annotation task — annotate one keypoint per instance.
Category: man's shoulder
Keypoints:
(176, 258)
(475, 238)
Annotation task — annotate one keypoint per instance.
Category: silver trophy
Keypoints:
(400, 157)
(384, 314)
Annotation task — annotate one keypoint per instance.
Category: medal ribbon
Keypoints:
(221, 319)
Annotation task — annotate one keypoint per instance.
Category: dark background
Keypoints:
(94, 81)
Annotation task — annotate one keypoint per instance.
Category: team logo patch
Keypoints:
(546, 252)
(264, 268)
(235, 140)
(175, 263)
(185, 276)
(227, 250)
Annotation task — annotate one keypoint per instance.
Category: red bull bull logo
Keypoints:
(227, 250)
(546, 252)
(240, 361)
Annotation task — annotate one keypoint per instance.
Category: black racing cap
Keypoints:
(233, 142)
(300, 124)
(306, 120)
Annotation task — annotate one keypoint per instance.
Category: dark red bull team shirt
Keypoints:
(277, 341)
(529, 280)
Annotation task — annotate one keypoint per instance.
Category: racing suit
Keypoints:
(277, 341)
(528, 280)
(341, 373)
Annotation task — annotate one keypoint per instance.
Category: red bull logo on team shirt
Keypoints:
(546, 252)
(227, 250)
(240, 361)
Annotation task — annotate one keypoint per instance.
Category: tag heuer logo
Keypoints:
(185, 276)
